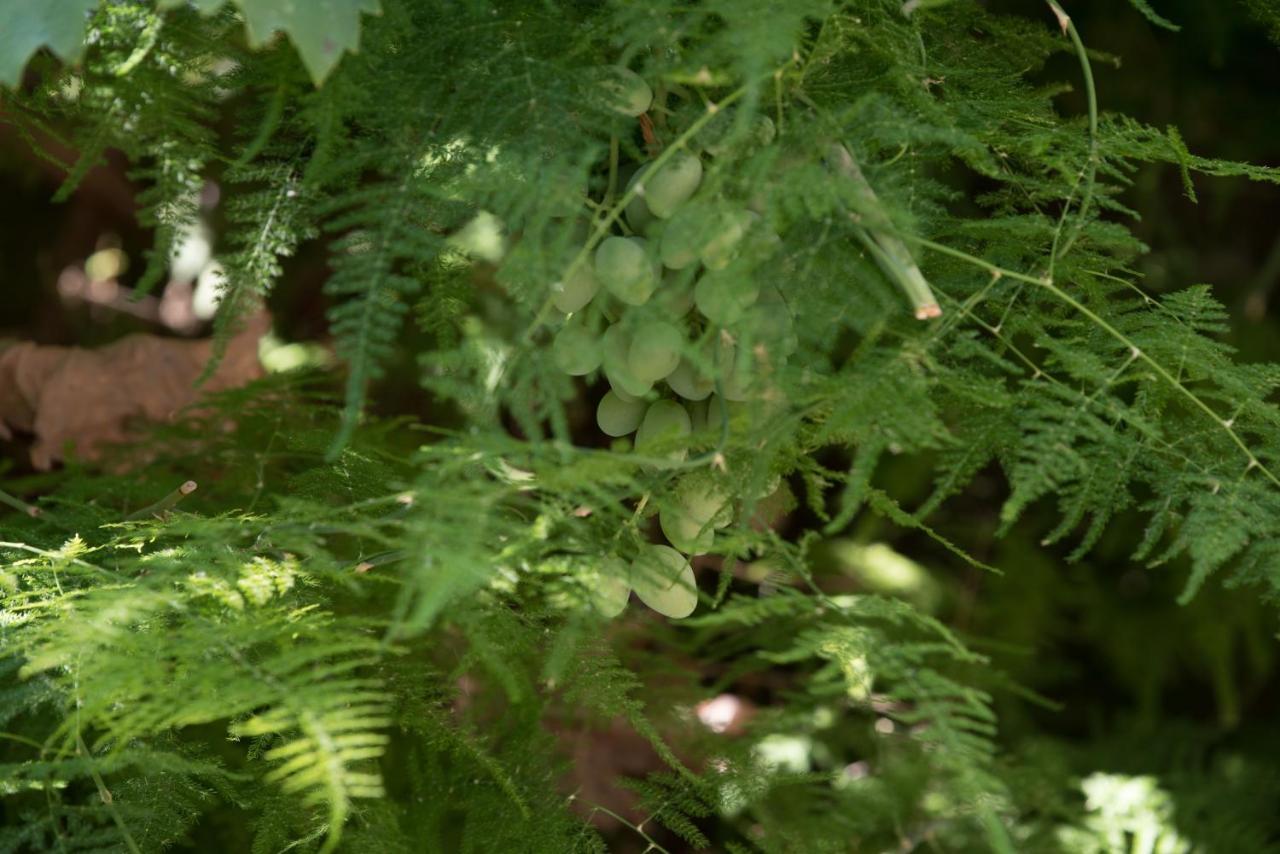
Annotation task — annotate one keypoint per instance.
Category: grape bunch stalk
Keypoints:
(668, 309)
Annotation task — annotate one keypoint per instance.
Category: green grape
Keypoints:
(616, 352)
(655, 350)
(686, 532)
(704, 499)
(663, 579)
(699, 509)
(772, 322)
(610, 308)
(730, 228)
(723, 297)
(679, 246)
(624, 268)
(697, 415)
(664, 422)
(722, 135)
(624, 91)
(689, 382)
(617, 417)
(735, 379)
(577, 289)
(575, 350)
(624, 395)
(673, 184)
(637, 211)
(738, 414)
(625, 385)
(674, 297)
(609, 588)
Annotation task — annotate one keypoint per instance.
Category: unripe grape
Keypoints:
(772, 322)
(685, 531)
(700, 507)
(637, 211)
(674, 297)
(624, 395)
(720, 137)
(736, 413)
(624, 91)
(663, 579)
(697, 415)
(673, 184)
(703, 499)
(617, 417)
(655, 350)
(736, 388)
(623, 266)
(575, 290)
(664, 423)
(576, 350)
(724, 297)
(734, 369)
(616, 352)
(610, 588)
(679, 245)
(689, 382)
(626, 385)
(730, 228)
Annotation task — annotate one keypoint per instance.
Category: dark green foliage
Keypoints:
(381, 638)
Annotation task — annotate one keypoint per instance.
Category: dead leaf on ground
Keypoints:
(72, 397)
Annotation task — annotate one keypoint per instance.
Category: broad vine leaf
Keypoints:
(322, 30)
(28, 25)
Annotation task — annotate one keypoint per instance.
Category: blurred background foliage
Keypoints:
(1167, 713)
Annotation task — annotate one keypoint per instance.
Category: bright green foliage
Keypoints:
(361, 635)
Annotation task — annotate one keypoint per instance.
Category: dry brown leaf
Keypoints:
(71, 397)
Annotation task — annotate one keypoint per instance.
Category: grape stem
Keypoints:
(1090, 171)
(19, 505)
(164, 504)
(890, 253)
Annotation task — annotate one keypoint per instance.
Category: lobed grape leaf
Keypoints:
(321, 30)
(28, 25)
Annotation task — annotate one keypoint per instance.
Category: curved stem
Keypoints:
(1097, 320)
(1090, 171)
(104, 794)
(18, 504)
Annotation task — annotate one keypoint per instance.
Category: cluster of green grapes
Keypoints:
(664, 307)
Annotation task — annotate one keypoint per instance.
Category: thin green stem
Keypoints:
(613, 169)
(105, 795)
(1090, 171)
(1097, 320)
(22, 739)
(638, 828)
(18, 504)
(164, 504)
